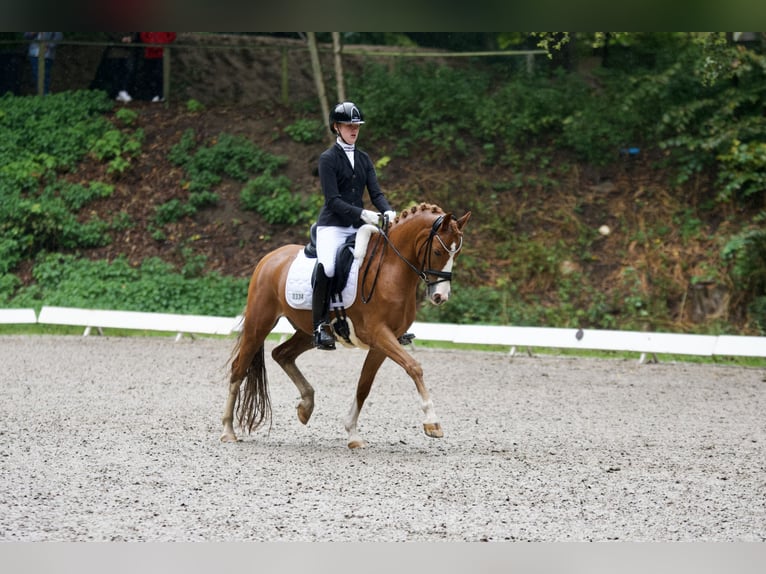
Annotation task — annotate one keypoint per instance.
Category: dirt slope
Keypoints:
(242, 94)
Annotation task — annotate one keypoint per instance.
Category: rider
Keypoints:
(344, 172)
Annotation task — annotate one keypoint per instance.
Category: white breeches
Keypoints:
(329, 238)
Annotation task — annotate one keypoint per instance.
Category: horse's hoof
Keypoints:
(304, 412)
(357, 444)
(229, 437)
(434, 430)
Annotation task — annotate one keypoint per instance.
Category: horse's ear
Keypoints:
(463, 220)
(445, 222)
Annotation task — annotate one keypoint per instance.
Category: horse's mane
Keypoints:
(415, 209)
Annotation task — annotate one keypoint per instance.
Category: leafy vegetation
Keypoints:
(153, 286)
(305, 130)
(693, 108)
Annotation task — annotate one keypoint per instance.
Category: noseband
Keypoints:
(425, 264)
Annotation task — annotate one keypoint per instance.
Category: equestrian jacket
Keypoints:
(343, 187)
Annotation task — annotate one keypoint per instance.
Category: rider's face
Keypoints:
(349, 132)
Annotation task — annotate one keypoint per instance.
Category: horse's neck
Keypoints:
(409, 237)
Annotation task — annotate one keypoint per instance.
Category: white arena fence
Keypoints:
(641, 342)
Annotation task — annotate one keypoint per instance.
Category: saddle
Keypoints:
(345, 279)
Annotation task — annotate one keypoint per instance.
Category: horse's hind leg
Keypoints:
(231, 399)
(248, 345)
(285, 355)
(370, 368)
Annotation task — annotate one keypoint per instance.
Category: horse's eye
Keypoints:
(437, 252)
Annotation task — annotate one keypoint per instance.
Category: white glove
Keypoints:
(370, 217)
(390, 215)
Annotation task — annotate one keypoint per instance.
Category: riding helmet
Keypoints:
(345, 113)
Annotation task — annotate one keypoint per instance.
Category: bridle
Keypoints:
(425, 271)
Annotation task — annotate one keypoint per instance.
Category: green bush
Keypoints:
(306, 130)
(180, 153)
(194, 106)
(745, 254)
(63, 126)
(233, 156)
(227, 156)
(41, 136)
(46, 223)
(171, 211)
(76, 196)
(154, 285)
(8, 283)
(419, 103)
(126, 116)
(271, 197)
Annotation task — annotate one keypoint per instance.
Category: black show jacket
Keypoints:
(343, 187)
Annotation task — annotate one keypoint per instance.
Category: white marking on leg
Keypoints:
(350, 423)
(429, 411)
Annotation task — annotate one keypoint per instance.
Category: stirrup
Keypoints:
(406, 339)
(322, 339)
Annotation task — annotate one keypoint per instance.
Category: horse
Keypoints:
(420, 245)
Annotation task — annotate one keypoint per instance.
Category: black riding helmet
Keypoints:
(345, 113)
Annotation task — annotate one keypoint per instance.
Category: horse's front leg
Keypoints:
(393, 350)
(370, 368)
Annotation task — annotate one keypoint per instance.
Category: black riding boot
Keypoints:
(320, 302)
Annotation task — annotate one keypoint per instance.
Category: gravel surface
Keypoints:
(116, 439)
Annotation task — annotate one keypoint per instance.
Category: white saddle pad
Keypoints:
(298, 288)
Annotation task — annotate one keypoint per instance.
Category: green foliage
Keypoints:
(48, 221)
(41, 136)
(75, 195)
(171, 211)
(701, 103)
(578, 306)
(201, 199)
(757, 312)
(420, 103)
(126, 116)
(306, 130)
(180, 153)
(531, 109)
(227, 156)
(715, 121)
(232, 156)
(194, 106)
(119, 148)
(8, 283)
(742, 170)
(271, 197)
(694, 95)
(152, 286)
(746, 255)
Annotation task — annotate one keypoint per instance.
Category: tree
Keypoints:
(318, 79)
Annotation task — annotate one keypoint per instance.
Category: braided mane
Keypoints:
(415, 209)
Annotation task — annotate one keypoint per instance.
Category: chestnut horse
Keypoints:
(420, 245)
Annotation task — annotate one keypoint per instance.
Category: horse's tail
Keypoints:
(253, 403)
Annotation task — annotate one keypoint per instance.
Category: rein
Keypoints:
(423, 272)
